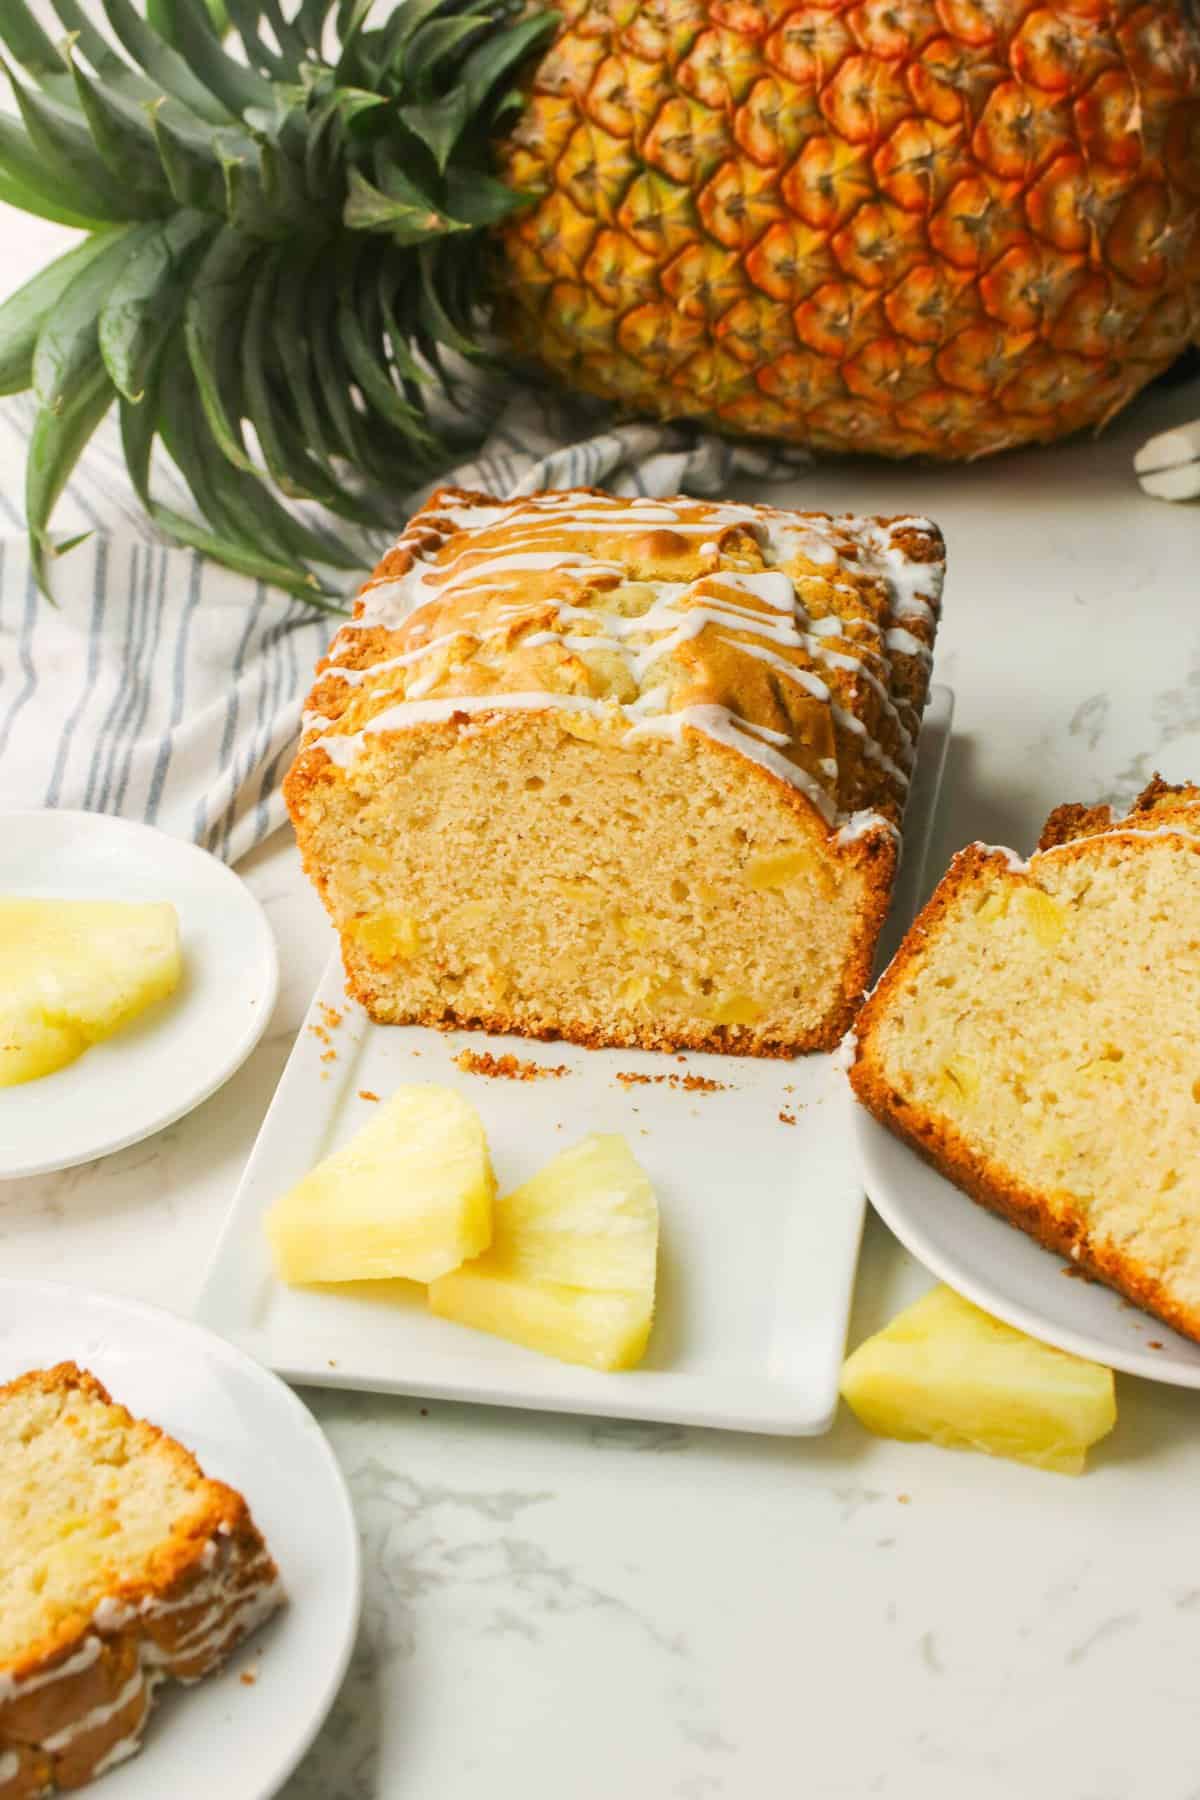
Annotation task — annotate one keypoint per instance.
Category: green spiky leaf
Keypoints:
(24, 313)
(145, 302)
(288, 238)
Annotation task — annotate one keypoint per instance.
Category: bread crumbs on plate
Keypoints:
(366, 1094)
(509, 1068)
(247, 1677)
(786, 1117)
(688, 1084)
(331, 1016)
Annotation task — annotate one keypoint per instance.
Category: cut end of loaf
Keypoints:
(626, 771)
(120, 1564)
(1036, 1038)
(535, 876)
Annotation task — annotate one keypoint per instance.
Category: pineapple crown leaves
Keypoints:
(287, 239)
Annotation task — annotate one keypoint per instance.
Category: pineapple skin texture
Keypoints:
(571, 1271)
(926, 227)
(74, 972)
(409, 1196)
(946, 1372)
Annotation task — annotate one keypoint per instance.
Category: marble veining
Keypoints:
(562, 1609)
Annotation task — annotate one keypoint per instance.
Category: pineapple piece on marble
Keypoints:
(410, 1195)
(73, 972)
(571, 1271)
(945, 1371)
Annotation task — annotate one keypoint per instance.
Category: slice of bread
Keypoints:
(120, 1564)
(1037, 1038)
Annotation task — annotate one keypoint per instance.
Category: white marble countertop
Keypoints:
(563, 1608)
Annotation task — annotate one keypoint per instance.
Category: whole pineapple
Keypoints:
(903, 226)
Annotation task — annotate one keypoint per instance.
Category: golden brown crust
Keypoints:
(1160, 803)
(1061, 1226)
(498, 636)
(840, 702)
(181, 1617)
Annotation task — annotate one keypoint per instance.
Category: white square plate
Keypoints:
(758, 1188)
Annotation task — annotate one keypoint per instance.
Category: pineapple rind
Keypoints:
(74, 972)
(947, 1372)
(411, 1195)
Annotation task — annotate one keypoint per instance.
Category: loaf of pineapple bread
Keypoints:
(1037, 1038)
(120, 1565)
(621, 771)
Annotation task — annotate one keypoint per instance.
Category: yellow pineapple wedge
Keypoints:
(410, 1196)
(572, 1264)
(945, 1371)
(73, 972)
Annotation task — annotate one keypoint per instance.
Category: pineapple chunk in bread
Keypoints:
(945, 1371)
(622, 771)
(120, 1564)
(1037, 1038)
(571, 1270)
(410, 1195)
(73, 972)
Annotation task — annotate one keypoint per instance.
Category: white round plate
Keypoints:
(1007, 1273)
(180, 1051)
(223, 1737)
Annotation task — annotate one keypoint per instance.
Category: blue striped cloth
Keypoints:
(165, 688)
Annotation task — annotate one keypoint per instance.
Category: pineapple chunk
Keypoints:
(73, 972)
(775, 868)
(587, 1220)
(1047, 917)
(572, 1264)
(602, 1330)
(411, 1195)
(946, 1371)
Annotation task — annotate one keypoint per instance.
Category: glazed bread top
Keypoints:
(800, 640)
(1159, 807)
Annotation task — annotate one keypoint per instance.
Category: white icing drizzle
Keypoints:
(861, 824)
(224, 1617)
(1117, 830)
(907, 644)
(718, 723)
(1016, 864)
(250, 1612)
(678, 613)
(84, 1657)
(99, 1715)
(120, 1752)
(846, 1054)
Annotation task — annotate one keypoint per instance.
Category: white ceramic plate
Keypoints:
(179, 1052)
(1007, 1273)
(222, 1737)
(758, 1188)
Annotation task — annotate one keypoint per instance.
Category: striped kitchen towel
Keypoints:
(165, 688)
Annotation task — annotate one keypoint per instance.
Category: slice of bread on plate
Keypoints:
(1037, 1039)
(121, 1564)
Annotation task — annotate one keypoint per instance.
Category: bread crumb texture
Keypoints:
(624, 772)
(120, 1564)
(1037, 1037)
